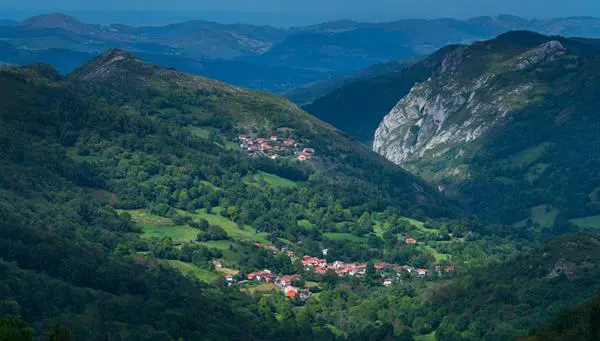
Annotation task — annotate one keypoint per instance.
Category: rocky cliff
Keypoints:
(499, 118)
(443, 117)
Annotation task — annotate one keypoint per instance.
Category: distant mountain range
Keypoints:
(287, 58)
(307, 94)
(6, 22)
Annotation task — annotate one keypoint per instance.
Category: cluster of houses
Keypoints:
(340, 268)
(321, 266)
(274, 147)
(284, 283)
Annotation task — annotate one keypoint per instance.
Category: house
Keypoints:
(445, 268)
(228, 278)
(274, 138)
(361, 269)
(290, 292)
(289, 142)
(387, 282)
(308, 151)
(382, 266)
(261, 140)
(324, 252)
(337, 265)
(265, 146)
(217, 264)
(285, 281)
(253, 148)
(410, 241)
(343, 271)
(303, 156)
(291, 254)
(273, 156)
(321, 271)
(264, 275)
(313, 262)
(422, 272)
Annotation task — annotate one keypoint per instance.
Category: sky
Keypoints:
(291, 11)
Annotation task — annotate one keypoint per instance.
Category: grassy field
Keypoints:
(199, 273)
(179, 234)
(159, 227)
(427, 337)
(306, 224)
(420, 226)
(270, 179)
(344, 236)
(248, 233)
(540, 216)
(439, 257)
(380, 228)
(203, 133)
(277, 181)
(142, 217)
(228, 271)
(588, 222)
(529, 155)
(218, 244)
(266, 288)
(308, 284)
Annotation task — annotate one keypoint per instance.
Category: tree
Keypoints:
(59, 333)
(13, 328)
(213, 232)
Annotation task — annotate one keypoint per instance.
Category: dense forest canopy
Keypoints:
(122, 184)
(74, 256)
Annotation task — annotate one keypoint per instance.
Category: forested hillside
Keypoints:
(89, 171)
(141, 203)
(506, 301)
(579, 323)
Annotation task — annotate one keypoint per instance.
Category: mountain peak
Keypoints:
(116, 67)
(115, 54)
(58, 20)
(110, 64)
(526, 39)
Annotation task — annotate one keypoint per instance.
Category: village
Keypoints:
(285, 283)
(275, 147)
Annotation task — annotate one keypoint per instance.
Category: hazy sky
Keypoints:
(320, 9)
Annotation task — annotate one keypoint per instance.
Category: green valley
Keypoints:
(142, 203)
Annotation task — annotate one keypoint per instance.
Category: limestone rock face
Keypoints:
(444, 117)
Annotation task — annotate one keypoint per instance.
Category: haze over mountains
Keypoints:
(264, 57)
(440, 182)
